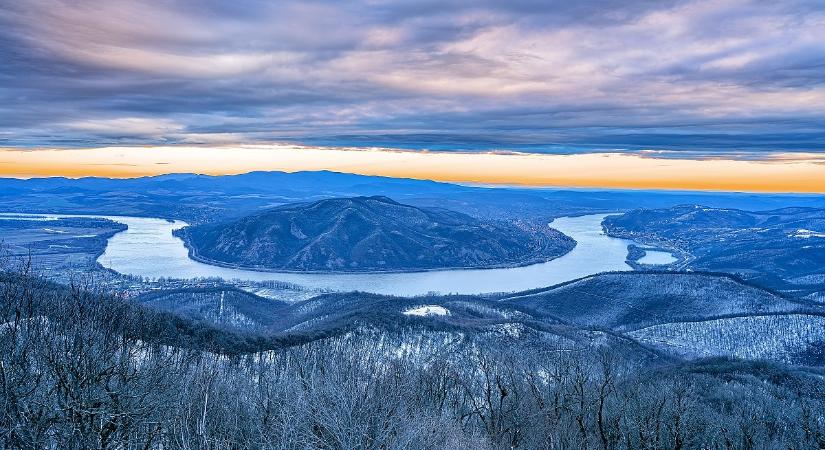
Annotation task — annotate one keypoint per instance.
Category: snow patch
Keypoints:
(427, 310)
(805, 234)
(512, 329)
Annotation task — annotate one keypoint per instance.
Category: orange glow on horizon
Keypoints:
(802, 173)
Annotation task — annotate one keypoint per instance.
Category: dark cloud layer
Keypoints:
(548, 76)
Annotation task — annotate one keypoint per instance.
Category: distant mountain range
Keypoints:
(360, 234)
(203, 198)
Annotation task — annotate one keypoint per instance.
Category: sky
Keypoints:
(732, 88)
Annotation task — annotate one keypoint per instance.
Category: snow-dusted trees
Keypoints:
(79, 371)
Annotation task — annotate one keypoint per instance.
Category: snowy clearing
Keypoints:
(803, 233)
(427, 310)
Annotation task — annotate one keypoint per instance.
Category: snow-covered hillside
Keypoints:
(791, 338)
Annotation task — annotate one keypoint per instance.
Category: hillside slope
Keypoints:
(789, 338)
(627, 301)
(783, 249)
(105, 370)
(641, 315)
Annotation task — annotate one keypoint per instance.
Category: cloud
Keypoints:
(127, 126)
(546, 76)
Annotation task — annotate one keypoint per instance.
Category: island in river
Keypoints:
(369, 234)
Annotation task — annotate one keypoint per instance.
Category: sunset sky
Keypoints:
(721, 94)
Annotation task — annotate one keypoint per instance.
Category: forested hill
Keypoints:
(370, 234)
(783, 249)
(83, 370)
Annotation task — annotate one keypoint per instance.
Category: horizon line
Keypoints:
(462, 184)
(775, 173)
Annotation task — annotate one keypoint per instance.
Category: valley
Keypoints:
(148, 250)
(638, 310)
(412, 225)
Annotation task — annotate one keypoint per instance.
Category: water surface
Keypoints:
(149, 249)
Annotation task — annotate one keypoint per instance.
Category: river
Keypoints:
(149, 249)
